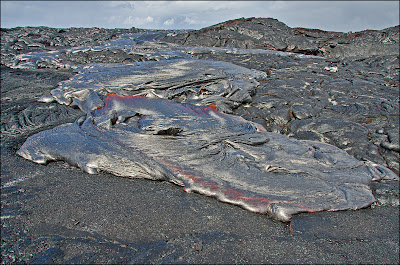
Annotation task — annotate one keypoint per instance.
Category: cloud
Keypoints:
(138, 21)
(326, 15)
(122, 4)
(342, 16)
(192, 21)
(169, 22)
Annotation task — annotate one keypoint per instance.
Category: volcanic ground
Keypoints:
(311, 86)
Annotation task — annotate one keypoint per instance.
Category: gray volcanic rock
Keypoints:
(351, 104)
(257, 33)
(26, 115)
(199, 82)
(271, 34)
(58, 214)
(28, 39)
(211, 153)
(365, 43)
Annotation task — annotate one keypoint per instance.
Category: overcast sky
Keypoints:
(326, 15)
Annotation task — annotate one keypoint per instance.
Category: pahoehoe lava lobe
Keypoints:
(184, 80)
(209, 152)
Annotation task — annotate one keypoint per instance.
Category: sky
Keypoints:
(341, 16)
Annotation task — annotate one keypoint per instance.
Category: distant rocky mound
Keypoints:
(255, 33)
(271, 34)
(365, 43)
